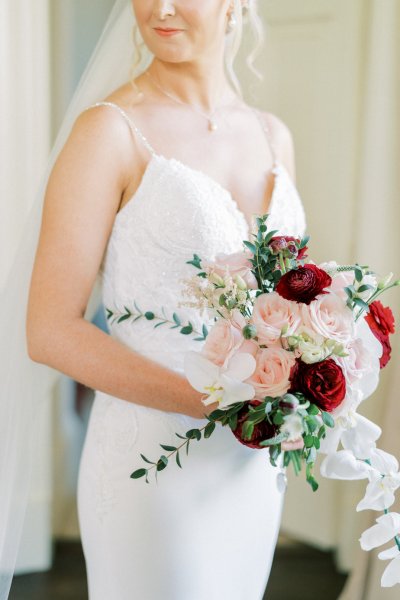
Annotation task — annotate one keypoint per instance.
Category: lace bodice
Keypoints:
(176, 211)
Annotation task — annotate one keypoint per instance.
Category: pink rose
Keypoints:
(221, 342)
(329, 316)
(271, 376)
(358, 361)
(339, 280)
(271, 314)
(234, 264)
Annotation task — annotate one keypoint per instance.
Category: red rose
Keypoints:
(262, 431)
(322, 383)
(288, 243)
(303, 284)
(381, 322)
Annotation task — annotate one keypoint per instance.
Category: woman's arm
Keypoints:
(82, 197)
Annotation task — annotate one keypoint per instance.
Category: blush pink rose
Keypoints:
(358, 361)
(329, 316)
(222, 341)
(271, 376)
(271, 313)
(239, 322)
(234, 264)
(339, 280)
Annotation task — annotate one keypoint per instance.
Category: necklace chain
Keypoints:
(212, 125)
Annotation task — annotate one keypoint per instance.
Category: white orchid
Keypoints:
(222, 384)
(391, 574)
(384, 479)
(387, 527)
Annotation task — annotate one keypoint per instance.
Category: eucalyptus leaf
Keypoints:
(138, 473)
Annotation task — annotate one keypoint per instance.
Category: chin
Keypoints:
(169, 50)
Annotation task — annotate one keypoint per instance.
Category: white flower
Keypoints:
(344, 465)
(384, 481)
(293, 425)
(387, 527)
(391, 574)
(222, 384)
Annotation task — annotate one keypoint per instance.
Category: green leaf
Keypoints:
(327, 419)
(317, 443)
(193, 434)
(250, 246)
(180, 436)
(196, 261)
(311, 458)
(147, 460)
(247, 430)
(209, 429)
(277, 439)
(313, 484)
(139, 473)
(361, 303)
(187, 447)
(187, 329)
(205, 331)
(162, 463)
(123, 318)
(178, 461)
(278, 418)
(149, 315)
(233, 419)
(358, 274)
(176, 319)
(365, 288)
(168, 448)
(308, 441)
(313, 409)
(158, 324)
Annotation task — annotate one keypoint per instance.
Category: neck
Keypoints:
(205, 86)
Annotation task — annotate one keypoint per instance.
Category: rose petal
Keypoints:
(241, 366)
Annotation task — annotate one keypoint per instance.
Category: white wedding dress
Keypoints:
(207, 531)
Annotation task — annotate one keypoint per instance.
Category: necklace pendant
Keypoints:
(212, 126)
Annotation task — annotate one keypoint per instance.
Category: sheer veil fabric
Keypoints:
(24, 384)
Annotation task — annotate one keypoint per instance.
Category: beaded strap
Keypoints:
(131, 124)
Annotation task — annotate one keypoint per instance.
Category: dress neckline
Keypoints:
(277, 169)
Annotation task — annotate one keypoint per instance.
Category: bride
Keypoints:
(169, 164)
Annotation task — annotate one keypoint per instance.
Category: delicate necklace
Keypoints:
(212, 125)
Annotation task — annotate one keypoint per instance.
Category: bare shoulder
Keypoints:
(282, 139)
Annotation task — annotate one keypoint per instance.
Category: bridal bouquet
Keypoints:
(294, 350)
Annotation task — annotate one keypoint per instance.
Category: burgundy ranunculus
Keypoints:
(262, 431)
(288, 245)
(322, 383)
(303, 284)
(381, 322)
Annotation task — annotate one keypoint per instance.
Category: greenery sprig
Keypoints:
(176, 322)
(269, 409)
(269, 267)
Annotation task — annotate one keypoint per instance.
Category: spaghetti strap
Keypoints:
(132, 126)
(267, 135)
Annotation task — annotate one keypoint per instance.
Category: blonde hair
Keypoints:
(234, 40)
(232, 45)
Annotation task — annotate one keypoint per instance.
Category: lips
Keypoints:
(167, 31)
